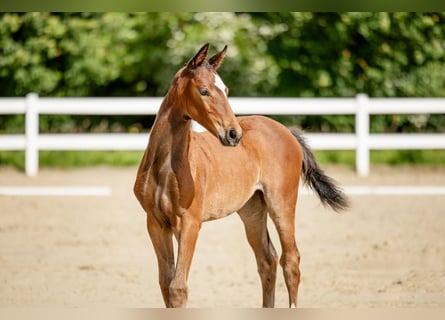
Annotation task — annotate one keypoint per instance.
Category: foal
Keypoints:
(186, 178)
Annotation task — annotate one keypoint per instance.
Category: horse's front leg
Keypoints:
(188, 236)
(161, 237)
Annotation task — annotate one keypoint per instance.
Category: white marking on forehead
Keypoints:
(220, 84)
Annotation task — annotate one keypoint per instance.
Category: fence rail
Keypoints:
(361, 106)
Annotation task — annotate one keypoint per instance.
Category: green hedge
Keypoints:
(270, 54)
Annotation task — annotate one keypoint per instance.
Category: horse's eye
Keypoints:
(204, 92)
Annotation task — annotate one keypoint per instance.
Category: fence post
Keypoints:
(362, 134)
(31, 134)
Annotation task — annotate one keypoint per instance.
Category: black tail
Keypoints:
(325, 187)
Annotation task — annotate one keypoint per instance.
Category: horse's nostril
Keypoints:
(232, 134)
(231, 137)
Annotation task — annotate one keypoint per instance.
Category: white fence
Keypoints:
(361, 106)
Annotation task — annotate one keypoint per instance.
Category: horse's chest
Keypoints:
(165, 194)
(162, 194)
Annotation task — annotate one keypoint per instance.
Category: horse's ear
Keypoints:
(217, 59)
(199, 57)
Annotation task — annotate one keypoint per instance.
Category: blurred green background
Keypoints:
(302, 54)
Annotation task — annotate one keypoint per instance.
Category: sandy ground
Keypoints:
(387, 251)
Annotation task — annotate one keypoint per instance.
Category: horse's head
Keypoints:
(204, 97)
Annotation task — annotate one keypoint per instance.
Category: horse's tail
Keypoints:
(325, 187)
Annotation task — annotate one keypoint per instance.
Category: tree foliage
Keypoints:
(341, 54)
(270, 54)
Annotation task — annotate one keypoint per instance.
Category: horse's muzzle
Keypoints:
(231, 137)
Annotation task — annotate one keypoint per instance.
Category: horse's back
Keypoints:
(274, 145)
(264, 142)
(264, 132)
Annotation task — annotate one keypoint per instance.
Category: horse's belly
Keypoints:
(225, 202)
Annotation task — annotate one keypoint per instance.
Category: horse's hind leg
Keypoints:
(161, 237)
(281, 207)
(254, 217)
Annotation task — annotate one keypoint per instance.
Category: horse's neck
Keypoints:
(170, 136)
(168, 152)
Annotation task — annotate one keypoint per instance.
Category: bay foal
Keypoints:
(249, 165)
